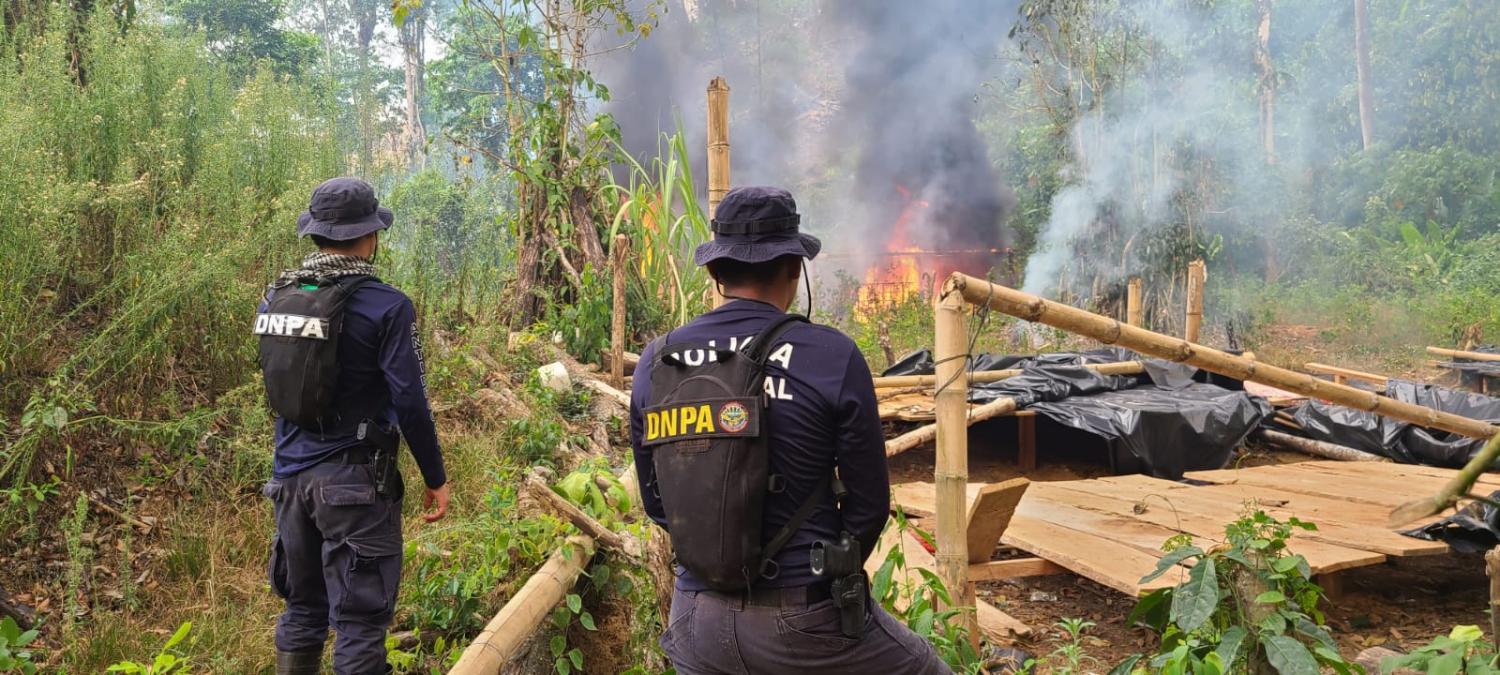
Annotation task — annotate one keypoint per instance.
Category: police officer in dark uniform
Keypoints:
(823, 418)
(336, 557)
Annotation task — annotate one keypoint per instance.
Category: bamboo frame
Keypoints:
(1197, 278)
(503, 636)
(951, 476)
(1110, 331)
(1135, 314)
(921, 435)
(1341, 375)
(1461, 354)
(986, 376)
(718, 158)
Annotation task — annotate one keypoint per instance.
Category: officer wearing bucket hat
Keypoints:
(336, 556)
(823, 418)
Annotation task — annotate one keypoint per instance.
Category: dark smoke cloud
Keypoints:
(842, 101)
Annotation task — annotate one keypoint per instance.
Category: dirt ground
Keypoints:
(1400, 604)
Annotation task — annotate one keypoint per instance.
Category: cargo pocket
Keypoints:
(372, 577)
(276, 569)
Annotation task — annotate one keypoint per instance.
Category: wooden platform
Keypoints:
(1111, 529)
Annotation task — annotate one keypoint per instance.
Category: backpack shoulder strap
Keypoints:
(759, 351)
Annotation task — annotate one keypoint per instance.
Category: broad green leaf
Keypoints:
(576, 657)
(1270, 597)
(1288, 655)
(1466, 634)
(182, 632)
(882, 582)
(1170, 560)
(587, 620)
(558, 644)
(575, 603)
(1127, 666)
(1212, 665)
(1231, 644)
(1448, 664)
(1194, 601)
(1309, 629)
(562, 666)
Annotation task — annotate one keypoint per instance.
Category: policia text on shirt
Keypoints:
(758, 446)
(343, 371)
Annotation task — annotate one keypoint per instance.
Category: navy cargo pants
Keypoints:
(712, 633)
(336, 560)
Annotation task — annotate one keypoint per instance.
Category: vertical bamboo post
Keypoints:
(1197, 276)
(1134, 312)
(619, 252)
(952, 474)
(1492, 567)
(718, 155)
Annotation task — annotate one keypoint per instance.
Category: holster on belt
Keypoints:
(850, 590)
(384, 444)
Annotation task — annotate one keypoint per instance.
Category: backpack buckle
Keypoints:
(769, 569)
(776, 484)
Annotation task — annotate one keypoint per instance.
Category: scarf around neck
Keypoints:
(321, 264)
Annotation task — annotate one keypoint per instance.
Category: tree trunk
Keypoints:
(1267, 81)
(413, 32)
(1362, 66)
(366, 14)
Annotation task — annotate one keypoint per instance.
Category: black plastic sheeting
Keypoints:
(1398, 440)
(1165, 422)
(1475, 528)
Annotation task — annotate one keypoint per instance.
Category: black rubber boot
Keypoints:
(298, 663)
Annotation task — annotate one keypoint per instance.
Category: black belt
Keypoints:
(785, 597)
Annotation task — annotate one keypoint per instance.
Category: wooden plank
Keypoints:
(1362, 481)
(1206, 510)
(997, 570)
(919, 499)
(1317, 486)
(1103, 560)
(1026, 443)
(1403, 471)
(995, 624)
(989, 514)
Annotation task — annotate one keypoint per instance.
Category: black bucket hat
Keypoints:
(342, 209)
(756, 225)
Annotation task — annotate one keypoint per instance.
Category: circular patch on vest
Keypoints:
(733, 417)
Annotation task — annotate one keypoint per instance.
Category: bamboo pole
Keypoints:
(1492, 569)
(924, 434)
(1197, 277)
(618, 255)
(1318, 448)
(1135, 314)
(986, 376)
(1110, 331)
(951, 476)
(1461, 354)
(1340, 374)
(718, 156)
(515, 623)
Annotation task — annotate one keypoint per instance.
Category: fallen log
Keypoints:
(23, 615)
(1110, 331)
(606, 537)
(609, 392)
(985, 376)
(925, 434)
(1317, 448)
(503, 636)
(1461, 354)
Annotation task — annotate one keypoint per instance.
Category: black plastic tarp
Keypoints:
(1164, 422)
(1398, 440)
(1475, 528)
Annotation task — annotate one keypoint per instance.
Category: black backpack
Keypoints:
(705, 424)
(299, 347)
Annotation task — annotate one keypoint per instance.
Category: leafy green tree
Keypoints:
(245, 32)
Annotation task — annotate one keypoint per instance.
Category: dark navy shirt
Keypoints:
(380, 374)
(822, 416)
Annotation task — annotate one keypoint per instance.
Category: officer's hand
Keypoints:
(438, 496)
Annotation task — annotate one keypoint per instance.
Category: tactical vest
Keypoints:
(299, 346)
(705, 424)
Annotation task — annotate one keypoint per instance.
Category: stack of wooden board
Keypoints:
(1112, 529)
